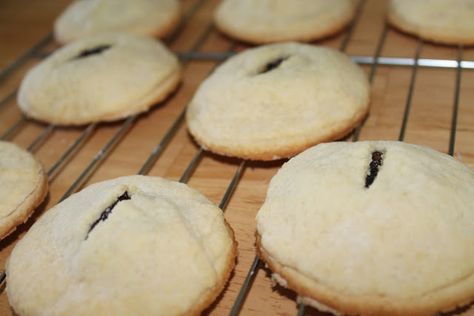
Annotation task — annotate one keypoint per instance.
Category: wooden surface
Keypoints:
(24, 22)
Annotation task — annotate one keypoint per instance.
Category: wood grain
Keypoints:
(24, 22)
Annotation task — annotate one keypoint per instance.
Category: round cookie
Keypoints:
(372, 228)
(134, 245)
(141, 17)
(101, 78)
(23, 186)
(268, 21)
(443, 21)
(275, 101)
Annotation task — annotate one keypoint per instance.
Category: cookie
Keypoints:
(442, 21)
(101, 78)
(134, 245)
(23, 186)
(275, 101)
(141, 17)
(268, 21)
(371, 228)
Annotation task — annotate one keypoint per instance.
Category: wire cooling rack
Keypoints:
(417, 89)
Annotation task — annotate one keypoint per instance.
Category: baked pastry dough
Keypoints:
(141, 17)
(134, 245)
(23, 186)
(275, 101)
(99, 78)
(372, 228)
(267, 21)
(443, 21)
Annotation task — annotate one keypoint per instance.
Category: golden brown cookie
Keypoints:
(268, 21)
(371, 228)
(442, 21)
(23, 186)
(99, 78)
(274, 101)
(140, 17)
(134, 245)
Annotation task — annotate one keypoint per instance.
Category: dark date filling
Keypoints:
(271, 65)
(374, 166)
(92, 51)
(105, 214)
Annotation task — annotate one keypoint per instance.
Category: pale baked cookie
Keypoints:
(442, 21)
(134, 245)
(267, 21)
(23, 186)
(274, 101)
(141, 17)
(372, 228)
(101, 78)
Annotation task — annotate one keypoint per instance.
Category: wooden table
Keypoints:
(416, 104)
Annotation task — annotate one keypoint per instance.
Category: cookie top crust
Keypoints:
(101, 78)
(399, 244)
(134, 245)
(23, 186)
(443, 21)
(141, 17)
(268, 21)
(274, 101)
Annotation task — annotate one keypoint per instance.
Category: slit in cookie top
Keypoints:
(272, 64)
(105, 214)
(92, 51)
(374, 167)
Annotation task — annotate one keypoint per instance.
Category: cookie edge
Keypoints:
(164, 90)
(272, 153)
(161, 32)
(207, 300)
(368, 305)
(26, 208)
(410, 29)
(307, 36)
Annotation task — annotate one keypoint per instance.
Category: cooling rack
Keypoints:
(421, 93)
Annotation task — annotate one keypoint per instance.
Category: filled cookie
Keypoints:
(371, 228)
(275, 101)
(442, 21)
(141, 17)
(268, 21)
(134, 245)
(23, 186)
(100, 78)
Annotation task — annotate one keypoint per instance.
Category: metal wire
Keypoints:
(156, 152)
(192, 165)
(9, 133)
(373, 70)
(100, 156)
(350, 30)
(27, 55)
(232, 185)
(408, 62)
(414, 72)
(7, 99)
(301, 309)
(359, 59)
(69, 153)
(41, 138)
(239, 301)
(454, 121)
